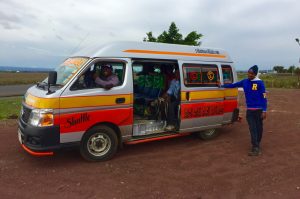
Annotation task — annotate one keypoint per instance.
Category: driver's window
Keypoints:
(101, 75)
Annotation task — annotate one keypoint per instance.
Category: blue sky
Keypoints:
(44, 33)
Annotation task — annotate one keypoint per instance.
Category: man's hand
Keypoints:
(108, 86)
(264, 115)
(166, 97)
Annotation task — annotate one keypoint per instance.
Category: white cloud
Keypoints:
(259, 32)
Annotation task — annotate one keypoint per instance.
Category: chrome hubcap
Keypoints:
(99, 144)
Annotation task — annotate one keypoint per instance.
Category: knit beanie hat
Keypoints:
(253, 69)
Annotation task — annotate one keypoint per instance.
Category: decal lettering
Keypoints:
(77, 120)
(203, 111)
(206, 51)
(254, 87)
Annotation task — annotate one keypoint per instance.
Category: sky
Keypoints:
(43, 33)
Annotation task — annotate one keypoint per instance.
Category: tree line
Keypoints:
(291, 69)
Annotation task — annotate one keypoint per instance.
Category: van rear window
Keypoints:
(198, 75)
(227, 74)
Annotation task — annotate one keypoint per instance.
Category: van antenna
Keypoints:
(79, 43)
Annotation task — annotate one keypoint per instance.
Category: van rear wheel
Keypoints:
(208, 134)
(99, 143)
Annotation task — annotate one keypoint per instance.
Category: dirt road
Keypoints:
(183, 167)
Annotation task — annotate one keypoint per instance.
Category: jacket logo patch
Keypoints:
(265, 95)
(254, 87)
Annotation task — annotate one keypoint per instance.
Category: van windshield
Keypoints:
(68, 68)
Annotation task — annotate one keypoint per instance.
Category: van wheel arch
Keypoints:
(99, 143)
(112, 126)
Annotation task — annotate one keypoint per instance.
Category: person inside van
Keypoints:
(106, 79)
(172, 96)
(169, 75)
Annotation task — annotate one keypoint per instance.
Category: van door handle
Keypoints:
(120, 100)
(187, 96)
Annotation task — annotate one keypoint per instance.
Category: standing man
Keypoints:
(173, 97)
(256, 101)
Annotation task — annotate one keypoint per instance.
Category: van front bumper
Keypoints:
(39, 140)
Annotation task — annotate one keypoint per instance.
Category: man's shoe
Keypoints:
(254, 152)
(259, 151)
(170, 128)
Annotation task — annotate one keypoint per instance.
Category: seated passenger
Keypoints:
(106, 79)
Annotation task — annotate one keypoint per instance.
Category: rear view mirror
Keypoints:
(52, 77)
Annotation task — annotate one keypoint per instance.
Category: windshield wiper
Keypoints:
(42, 85)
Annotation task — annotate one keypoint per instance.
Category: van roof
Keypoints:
(152, 50)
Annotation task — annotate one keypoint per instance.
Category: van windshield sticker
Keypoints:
(68, 68)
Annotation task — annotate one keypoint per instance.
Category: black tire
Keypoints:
(208, 134)
(100, 143)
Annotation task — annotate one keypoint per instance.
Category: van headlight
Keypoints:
(41, 117)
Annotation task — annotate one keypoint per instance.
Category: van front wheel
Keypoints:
(99, 143)
(208, 134)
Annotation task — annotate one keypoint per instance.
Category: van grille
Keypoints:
(25, 114)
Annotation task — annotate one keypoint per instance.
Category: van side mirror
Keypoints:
(52, 78)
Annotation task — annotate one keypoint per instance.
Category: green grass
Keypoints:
(10, 107)
(277, 80)
(11, 78)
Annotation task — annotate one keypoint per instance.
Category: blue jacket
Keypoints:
(255, 93)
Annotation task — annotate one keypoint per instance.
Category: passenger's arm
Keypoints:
(100, 82)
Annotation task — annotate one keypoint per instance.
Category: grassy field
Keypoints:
(10, 107)
(10, 78)
(277, 80)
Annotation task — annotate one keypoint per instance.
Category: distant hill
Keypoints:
(24, 69)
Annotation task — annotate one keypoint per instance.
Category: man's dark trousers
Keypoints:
(172, 116)
(255, 122)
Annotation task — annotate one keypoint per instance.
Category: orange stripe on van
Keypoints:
(76, 101)
(174, 53)
(209, 94)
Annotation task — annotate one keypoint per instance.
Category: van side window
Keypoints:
(100, 75)
(227, 74)
(200, 75)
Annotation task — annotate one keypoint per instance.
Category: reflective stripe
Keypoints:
(203, 100)
(87, 109)
(71, 137)
(155, 52)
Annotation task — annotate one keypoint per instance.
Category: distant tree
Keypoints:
(291, 69)
(150, 37)
(278, 69)
(172, 36)
(297, 72)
